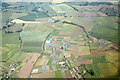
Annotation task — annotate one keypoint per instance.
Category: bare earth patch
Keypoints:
(22, 21)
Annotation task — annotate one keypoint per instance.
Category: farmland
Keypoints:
(60, 40)
(10, 44)
(62, 8)
(33, 16)
(35, 39)
(102, 30)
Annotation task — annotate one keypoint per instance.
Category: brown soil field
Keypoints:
(83, 51)
(26, 59)
(93, 47)
(54, 37)
(74, 49)
(44, 75)
(62, 34)
(25, 70)
(83, 62)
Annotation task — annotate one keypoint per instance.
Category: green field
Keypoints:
(97, 70)
(10, 44)
(49, 62)
(35, 32)
(6, 17)
(100, 59)
(106, 28)
(90, 67)
(17, 15)
(33, 36)
(32, 44)
(48, 9)
(62, 8)
(15, 28)
(33, 16)
(32, 49)
(29, 17)
(58, 74)
(41, 14)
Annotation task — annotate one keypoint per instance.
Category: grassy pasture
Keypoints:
(87, 22)
(111, 56)
(100, 59)
(41, 14)
(87, 8)
(106, 28)
(32, 49)
(10, 44)
(97, 70)
(15, 27)
(29, 17)
(26, 7)
(58, 74)
(107, 69)
(32, 44)
(62, 8)
(75, 14)
(33, 16)
(35, 32)
(48, 9)
(33, 35)
(17, 15)
(68, 28)
(90, 67)
(6, 16)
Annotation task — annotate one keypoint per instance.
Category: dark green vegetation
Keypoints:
(29, 17)
(32, 47)
(41, 14)
(49, 62)
(33, 16)
(32, 44)
(100, 59)
(109, 11)
(88, 3)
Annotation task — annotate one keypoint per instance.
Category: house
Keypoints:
(61, 63)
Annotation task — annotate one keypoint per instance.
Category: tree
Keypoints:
(4, 27)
